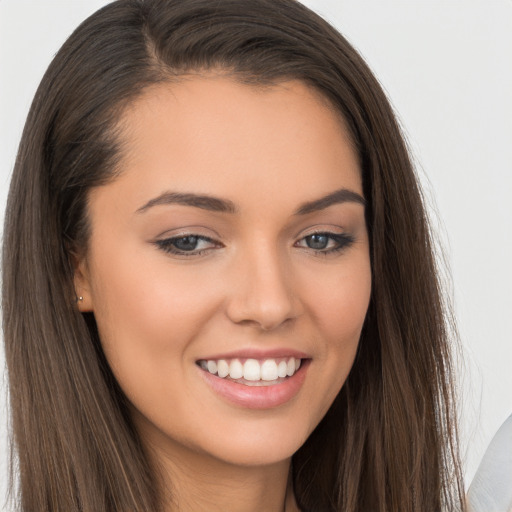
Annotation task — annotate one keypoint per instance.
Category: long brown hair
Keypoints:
(388, 443)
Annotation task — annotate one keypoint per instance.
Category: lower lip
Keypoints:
(258, 397)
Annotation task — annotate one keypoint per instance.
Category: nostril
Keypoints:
(265, 316)
(263, 292)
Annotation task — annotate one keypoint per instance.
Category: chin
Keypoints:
(257, 445)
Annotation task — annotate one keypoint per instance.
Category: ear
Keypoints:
(81, 279)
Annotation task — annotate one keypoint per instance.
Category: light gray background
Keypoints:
(446, 65)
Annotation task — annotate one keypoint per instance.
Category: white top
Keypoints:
(491, 488)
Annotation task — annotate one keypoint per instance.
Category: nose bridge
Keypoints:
(263, 291)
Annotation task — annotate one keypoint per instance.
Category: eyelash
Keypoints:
(168, 245)
(342, 241)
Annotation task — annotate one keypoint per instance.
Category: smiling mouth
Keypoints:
(252, 372)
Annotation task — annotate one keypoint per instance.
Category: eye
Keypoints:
(326, 243)
(318, 241)
(187, 245)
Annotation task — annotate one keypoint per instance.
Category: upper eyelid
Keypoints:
(218, 239)
(166, 245)
(198, 231)
(335, 229)
(333, 235)
(319, 231)
(329, 234)
(210, 232)
(179, 237)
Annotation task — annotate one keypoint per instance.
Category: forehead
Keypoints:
(215, 135)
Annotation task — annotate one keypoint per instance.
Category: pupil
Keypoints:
(187, 243)
(317, 241)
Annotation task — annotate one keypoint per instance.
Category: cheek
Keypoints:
(340, 301)
(144, 308)
(148, 315)
(340, 312)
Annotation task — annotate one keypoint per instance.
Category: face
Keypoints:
(228, 267)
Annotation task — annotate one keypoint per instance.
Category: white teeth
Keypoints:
(222, 368)
(236, 370)
(269, 370)
(282, 369)
(212, 366)
(290, 367)
(252, 370)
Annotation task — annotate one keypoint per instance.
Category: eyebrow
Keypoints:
(204, 202)
(216, 204)
(342, 195)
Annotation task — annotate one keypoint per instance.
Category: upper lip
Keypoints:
(255, 353)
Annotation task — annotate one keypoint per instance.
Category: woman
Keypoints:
(219, 288)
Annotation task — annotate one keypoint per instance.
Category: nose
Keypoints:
(262, 292)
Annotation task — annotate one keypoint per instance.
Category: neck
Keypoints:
(193, 482)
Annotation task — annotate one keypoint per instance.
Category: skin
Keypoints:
(258, 286)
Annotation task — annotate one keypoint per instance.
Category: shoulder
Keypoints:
(491, 488)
